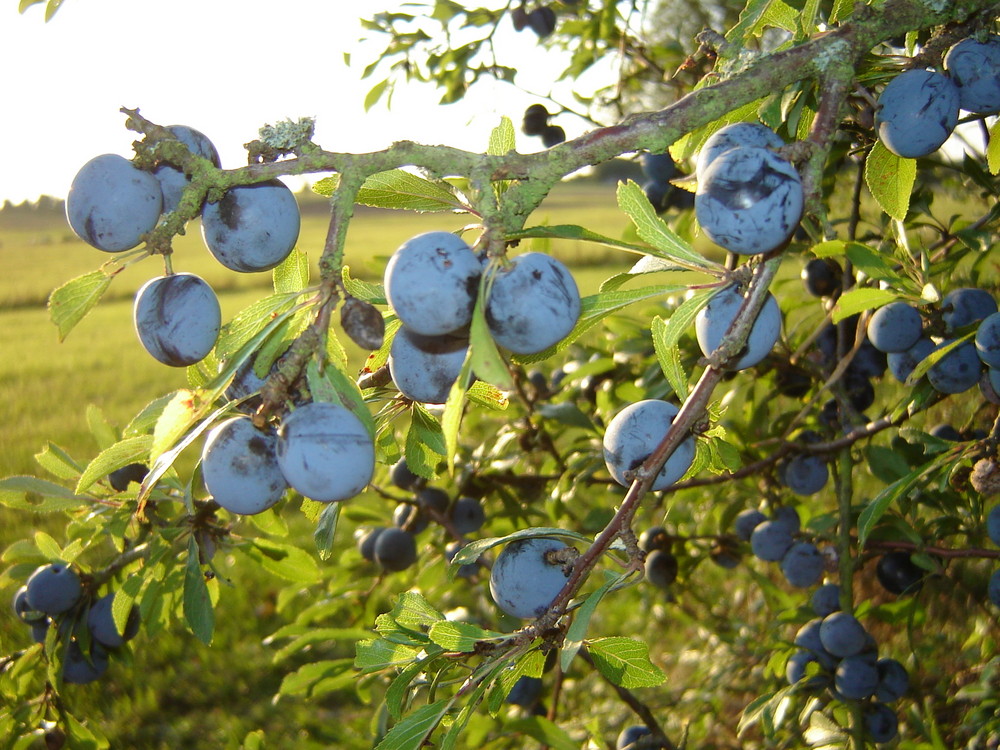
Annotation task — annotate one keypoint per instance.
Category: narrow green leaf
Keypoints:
(292, 274)
(399, 189)
(937, 354)
(410, 733)
(127, 451)
(581, 623)
(666, 339)
(461, 636)
(486, 361)
(451, 420)
(326, 530)
(595, 308)
(399, 689)
(197, 603)
(71, 302)
(625, 662)
(651, 228)
(580, 234)
(332, 385)
(890, 179)
(877, 507)
(858, 300)
(471, 552)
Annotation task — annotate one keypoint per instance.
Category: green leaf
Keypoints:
(305, 678)
(486, 361)
(284, 560)
(104, 434)
(937, 354)
(58, 462)
(874, 264)
(667, 336)
(651, 228)
(993, 149)
(127, 451)
(502, 138)
(326, 530)
(885, 464)
(178, 415)
(71, 302)
(412, 611)
(254, 740)
(410, 733)
(16, 491)
(250, 321)
(399, 189)
(531, 664)
(425, 443)
(858, 300)
(625, 662)
(461, 636)
(48, 546)
(579, 234)
(331, 385)
(50, 10)
(842, 10)
(292, 274)
(471, 552)
(197, 604)
(488, 396)
(544, 731)
(376, 654)
(876, 508)
(749, 19)
(375, 93)
(595, 308)
(890, 179)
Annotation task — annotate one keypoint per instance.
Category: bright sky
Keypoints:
(225, 67)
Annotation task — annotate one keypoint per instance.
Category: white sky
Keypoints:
(225, 67)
